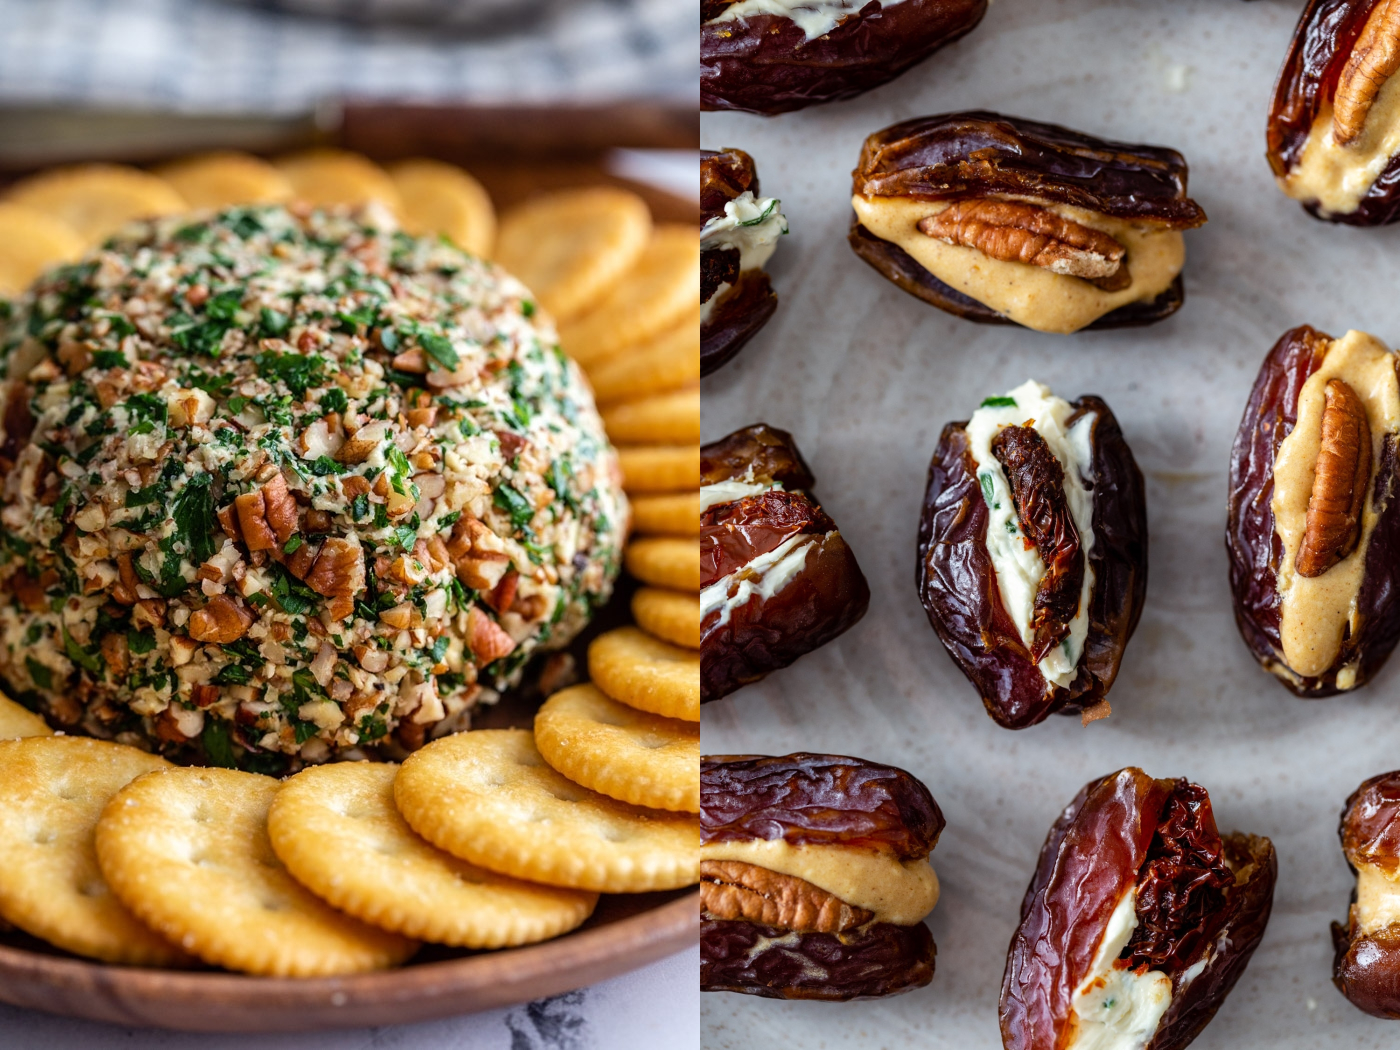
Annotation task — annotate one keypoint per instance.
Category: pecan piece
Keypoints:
(1372, 62)
(266, 518)
(222, 621)
(731, 889)
(1013, 231)
(486, 638)
(1339, 485)
(339, 569)
(1038, 491)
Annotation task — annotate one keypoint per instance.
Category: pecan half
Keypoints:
(1372, 62)
(1038, 491)
(339, 569)
(731, 889)
(487, 640)
(268, 517)
(222, 621)
(1339, 484)
(1013, 231)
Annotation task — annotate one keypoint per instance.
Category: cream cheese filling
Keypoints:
(1030, 295)
(1377, 899)
(750, 224)
(814, 17)
(732, 490)
(1338, 177)
(1315, 611)
(763, 577)
(1019, 568)
(1115, 1008)
(897, 891)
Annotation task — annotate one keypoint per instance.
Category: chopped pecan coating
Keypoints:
(1037, 483)
(817, 800)
(221, 620)
(1339, 484)
(1014, 231)
(731, 889)
(1373, 60)
(339, 569)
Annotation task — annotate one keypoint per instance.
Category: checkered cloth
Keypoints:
(214, 56)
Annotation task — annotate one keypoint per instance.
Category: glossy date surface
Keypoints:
(765, 63)
(1366, 967)
(1255, 549)
(957, 582)
(749, 304)
(1130, 832)
(1322, 43)
(811, 799)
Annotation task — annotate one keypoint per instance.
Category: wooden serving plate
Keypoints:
(514, 152)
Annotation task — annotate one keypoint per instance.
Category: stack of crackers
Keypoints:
(485, 839)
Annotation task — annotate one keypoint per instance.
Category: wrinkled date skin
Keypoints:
(1255, 549)
(957, 583)
(765, 64)
(1323, 41)
(810, 799)
(747, 306)
(1199, 897)
(980, 154)
(822, 600)
(1367, 966)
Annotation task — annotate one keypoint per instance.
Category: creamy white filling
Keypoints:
(1115, 1008)
(1377, 899)
(763, 577)
(1018, 565)
(753, 226)
(814, 17)
(729, 491)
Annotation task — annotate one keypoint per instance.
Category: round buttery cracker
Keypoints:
(669, 615)
(624, 753)
(488, 797)
(651, 297)
(336, 829)
(669, 361)
(96, 200)
(668, 514)
(224, 178)
(52, 790)
(442, 199)
(570, 247)
(31, 242)
(669, 418)
(187, 850)
(646, 673)
(17, 721)
(665, 562)
(660, 468)
(332, 176)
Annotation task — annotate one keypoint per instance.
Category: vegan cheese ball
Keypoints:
(283, 484)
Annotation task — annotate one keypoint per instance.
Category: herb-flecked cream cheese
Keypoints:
(281, 485)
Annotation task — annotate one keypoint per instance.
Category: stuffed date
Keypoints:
(1008, 221)
(1138, 921)
(776, 578)
(1367, 965)
(1334, 126)
(1313, 531)
(1032, 552)
(738, 231)
(815, 877)
(775, 56)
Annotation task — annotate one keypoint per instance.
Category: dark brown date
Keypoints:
(765, 63)
(876, 960)
(820, 601)
(979, 154)
(750, 301)
(1254, 546)
(957, 583)
(1367, 965)
(1324, 41)
(1200, 899)
(812, 799)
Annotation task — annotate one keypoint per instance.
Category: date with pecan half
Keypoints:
(766, 63)
(1366, 967)
(746, 632)
(1000, 174)
(1342, 54)
(777, 935)
(1335, 505)
(749, 302)
(1202, 902)
(957, 582)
